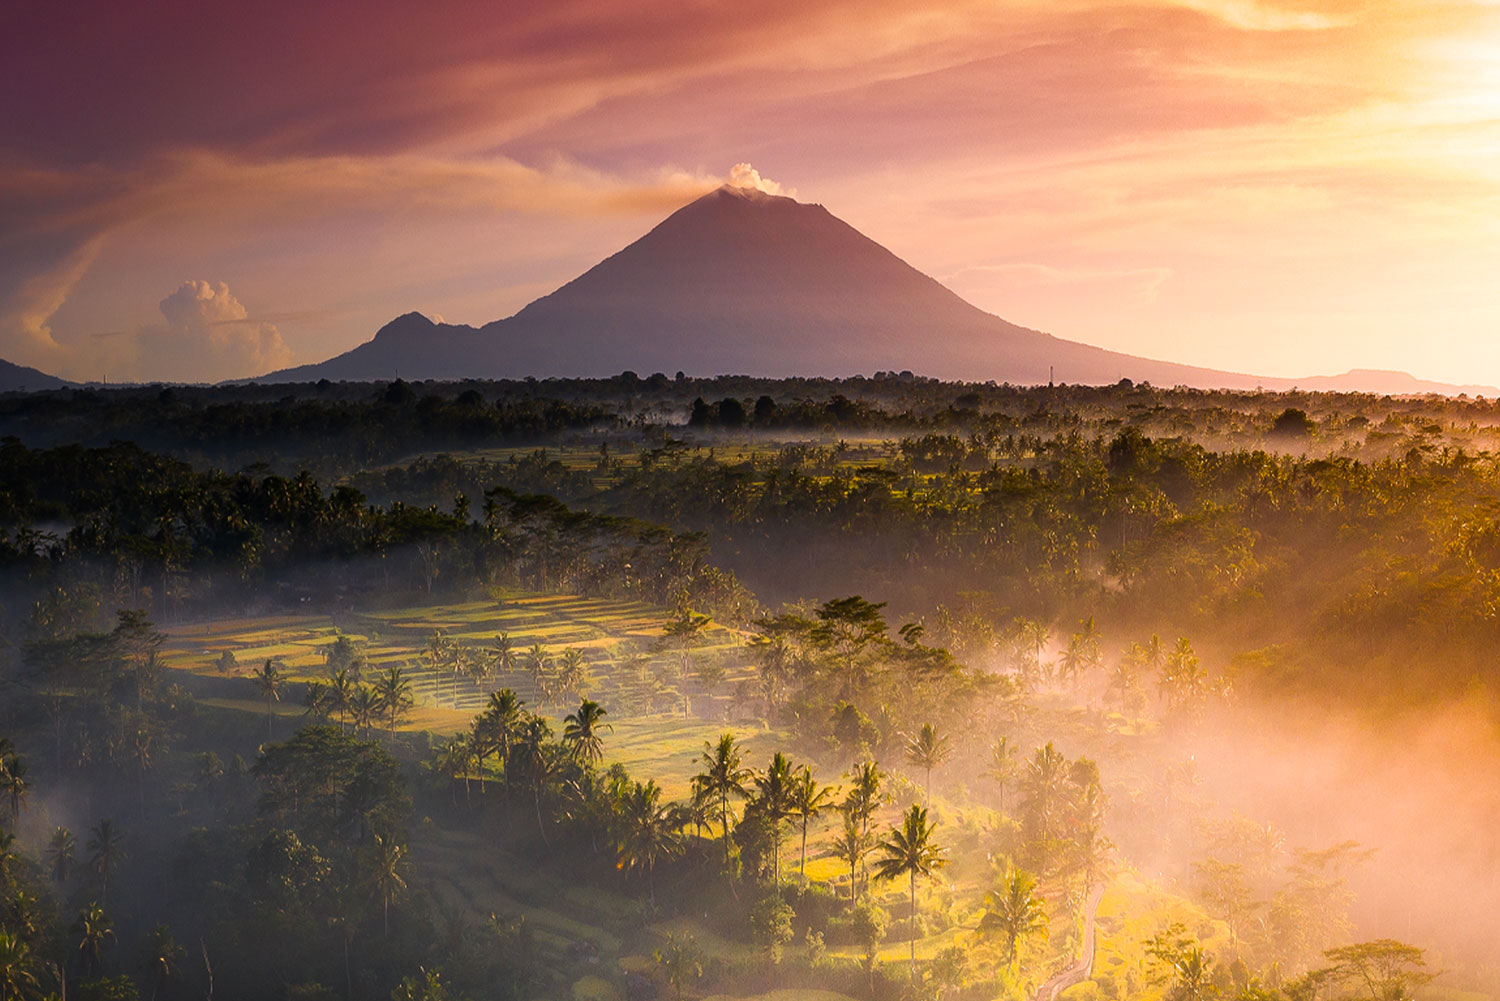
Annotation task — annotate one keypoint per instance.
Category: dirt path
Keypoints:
(1081, 968)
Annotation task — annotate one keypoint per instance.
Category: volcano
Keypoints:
(741, 282)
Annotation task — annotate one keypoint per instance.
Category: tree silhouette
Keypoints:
(10, 858)
(268, 681)
(722, 778)
(60, 849)
(13, 783)
(105, 854)
(498, 726)
(1015, 911)
(387, 875)
(851, 846)
(1002, 768)
(808, 800)
(17, 981)
(1043, 793)
(364, 708)
(160, 955)
(503, 654)
(927, 750)
(537, 761)
(341, 694)
(864, 796)
(582, 731)
(909, 851)
(649, 831)
(775, 795)
(317, 701)
(94, 930)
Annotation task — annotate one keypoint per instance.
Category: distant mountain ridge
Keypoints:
(21, 379)
(745, 283)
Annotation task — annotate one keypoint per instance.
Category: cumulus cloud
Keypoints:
(63, 223)
(209, 334)
(26, 309)
(743, 175)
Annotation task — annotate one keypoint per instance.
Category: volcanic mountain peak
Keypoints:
(743, 281)
(747, 193)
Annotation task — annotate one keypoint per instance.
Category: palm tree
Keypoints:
(456, 760)
(1043, 788)
(573, 673)
(105, 854)
(500, 724)
(649, 831)
(1033, 635)
(394, 696)
(317, 701)
(851, 846)
(94, 930)
(909, 851)
(16, 978)
(721, 778)
(161, 954)
(1192, 973)
(1184, 681)
(13, 783)
(503, 654)
(582, 731)
(441, 651)
(537, 761)
(864, 793)
(1015, 911)
(1002, 767)
(927, 750)
(1082, 653)
(341, 694)
(9, 857)
(1124, 680)
(387, 874)
(864, 796)
(22, 915)
(364, 708)
(774, 793)
(60, 849)
(808, 800)
(268, 680)
(539, 663)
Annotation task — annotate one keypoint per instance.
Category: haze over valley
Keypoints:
(460, 542)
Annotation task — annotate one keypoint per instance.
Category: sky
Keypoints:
(206, 191)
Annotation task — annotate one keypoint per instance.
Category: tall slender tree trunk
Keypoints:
(724, 820)
(776, 857)
(913, 939)
(540, 829)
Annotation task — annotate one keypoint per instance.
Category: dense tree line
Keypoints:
(86, 530)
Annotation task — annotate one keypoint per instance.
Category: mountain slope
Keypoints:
(20, 379)
(741, 282)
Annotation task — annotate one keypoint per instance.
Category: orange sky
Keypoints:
(1274, 188)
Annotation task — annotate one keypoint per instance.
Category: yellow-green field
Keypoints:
(627, 662)
(631, 671)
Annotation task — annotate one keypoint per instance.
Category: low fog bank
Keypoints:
(1418, 791)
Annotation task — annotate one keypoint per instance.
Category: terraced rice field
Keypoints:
(630, 669)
